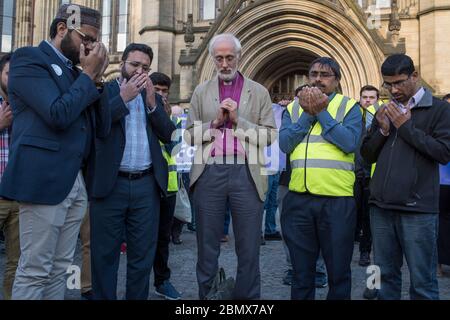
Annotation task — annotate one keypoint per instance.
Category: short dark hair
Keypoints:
(446, 97)
(4, 60)
(326, 61)
(159, 78)
(369, 88)
(137, 47)
(397, 64)
(300, 89)
(54, 27)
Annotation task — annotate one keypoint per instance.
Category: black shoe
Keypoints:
(263, 242)
(364, 259)
(191, 227)
(321, 283)
(273, 236)
(87, 295)
(176, 240)
(287, 279)
(370, 294)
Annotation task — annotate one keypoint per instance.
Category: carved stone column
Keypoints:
(24, 22)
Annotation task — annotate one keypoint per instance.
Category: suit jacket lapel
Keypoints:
(213, 97)
(66, 76)
(115, 91)
(245, 97)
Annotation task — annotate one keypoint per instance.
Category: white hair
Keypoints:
(225, 37)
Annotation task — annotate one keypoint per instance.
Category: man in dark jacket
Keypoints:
(54, 106)
(127, 176)
(408, 138)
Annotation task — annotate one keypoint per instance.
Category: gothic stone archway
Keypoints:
(272, 29)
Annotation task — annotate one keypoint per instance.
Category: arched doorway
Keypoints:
(280, 38)
(285, 70)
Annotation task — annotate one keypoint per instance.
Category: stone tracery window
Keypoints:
(7, 18)
(115, 26)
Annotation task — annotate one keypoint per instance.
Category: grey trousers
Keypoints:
(48, 236)
(219, 184)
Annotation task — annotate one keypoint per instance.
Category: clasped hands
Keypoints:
(227, 112)
(129, 89)
(312, 100)
(392, 113)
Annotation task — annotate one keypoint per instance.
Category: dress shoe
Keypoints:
(370, 294)
(176, 240)
(88, 295)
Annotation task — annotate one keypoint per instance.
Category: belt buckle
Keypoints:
(131, 176)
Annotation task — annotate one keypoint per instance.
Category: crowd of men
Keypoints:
(80, 156)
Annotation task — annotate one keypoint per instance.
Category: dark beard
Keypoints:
(69, 50)
(125, 74)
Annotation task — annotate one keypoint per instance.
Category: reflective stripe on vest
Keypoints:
(318, 166)
(172, 185)
(316, 163)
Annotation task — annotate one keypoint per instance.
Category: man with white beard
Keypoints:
(230, 121)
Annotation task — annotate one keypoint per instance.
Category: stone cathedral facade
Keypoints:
(279, 37)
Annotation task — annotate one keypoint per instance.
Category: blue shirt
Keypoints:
(345, 136)
(136, 156)
(63, 58)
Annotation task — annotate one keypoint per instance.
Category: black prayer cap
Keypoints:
(87, 15)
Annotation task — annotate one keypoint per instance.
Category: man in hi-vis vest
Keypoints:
(163, 286)
(321, 133)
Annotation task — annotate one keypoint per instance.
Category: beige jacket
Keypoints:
(255, 129)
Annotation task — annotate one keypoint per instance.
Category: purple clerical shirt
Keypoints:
(227, 144)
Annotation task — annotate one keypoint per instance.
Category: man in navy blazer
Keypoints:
(127, 174)
(54, 116)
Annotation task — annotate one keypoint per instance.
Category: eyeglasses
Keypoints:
(136, 65)
(397, 84)
(316, 74)
(87, 40)
(220, 59)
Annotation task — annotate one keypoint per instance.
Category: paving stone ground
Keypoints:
(272, 262)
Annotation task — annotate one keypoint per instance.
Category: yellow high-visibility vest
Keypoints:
(172, 185)
(318, 166)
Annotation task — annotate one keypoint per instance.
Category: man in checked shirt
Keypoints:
(9, 210)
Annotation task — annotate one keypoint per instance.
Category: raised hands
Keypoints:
(93, 64)
(397, 116)
(6, 115)
(312, 100)
(129, 89)
(230, 106)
